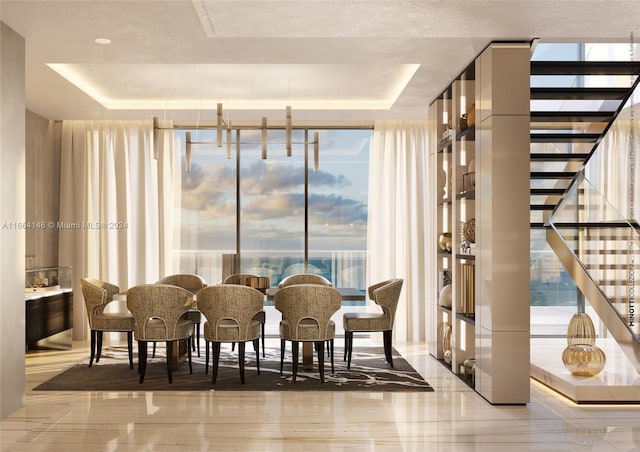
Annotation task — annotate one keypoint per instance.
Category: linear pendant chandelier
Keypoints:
(222, 125)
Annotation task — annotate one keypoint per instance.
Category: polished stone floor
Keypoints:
(453, 418)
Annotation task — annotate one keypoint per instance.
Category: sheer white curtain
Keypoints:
(116, 205)
(397, 225)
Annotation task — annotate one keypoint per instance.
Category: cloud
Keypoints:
(210, 190)
(269, 177)
(336, 209)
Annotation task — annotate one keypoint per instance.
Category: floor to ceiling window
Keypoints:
(269, 213)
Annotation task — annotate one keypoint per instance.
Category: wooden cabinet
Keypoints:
(48, 308)
(47, 315)
(482, 121)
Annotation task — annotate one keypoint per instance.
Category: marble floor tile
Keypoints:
(452, 418)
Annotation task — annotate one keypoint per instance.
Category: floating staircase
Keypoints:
(597, 245)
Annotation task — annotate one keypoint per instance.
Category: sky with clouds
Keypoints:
(272, 195)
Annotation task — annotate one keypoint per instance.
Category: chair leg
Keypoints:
(94, 333)
(190, 342)
(169, 360)
(349, 336)
(153, 355)
(130, 348)
(282, 344)
(233, 346)
(262, 333)
(387, 335)
(206, 357)
(333, 368)
(197, 338)
(328, 350)
(99, 345)
(256, 346)
(294, 352)
(346, 345)
(142, 359)
(241, 348)
(216, 361)
(321, 360)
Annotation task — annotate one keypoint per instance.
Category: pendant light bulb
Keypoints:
(156, 136)
(187, 166)
(264, 137)
(316, 151)
(288, 131)
(219, 127)
(229, 140)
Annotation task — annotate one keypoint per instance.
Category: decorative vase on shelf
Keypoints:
(445, 242)
(444, 298)
(582, 357)
(446, 344)
(442, 182)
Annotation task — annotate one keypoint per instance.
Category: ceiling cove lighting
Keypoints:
(222, 125)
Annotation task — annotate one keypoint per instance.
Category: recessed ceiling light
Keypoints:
(103, 41)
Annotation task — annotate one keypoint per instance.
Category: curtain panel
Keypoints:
(397, 224)
(116, 205)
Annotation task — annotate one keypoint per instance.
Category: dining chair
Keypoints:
(304, 278)
(159, 311)
(97, 295)
(307, 278)
(230, 311)
(193, 283)
(243, 279)
(306, 317)
(385, 294)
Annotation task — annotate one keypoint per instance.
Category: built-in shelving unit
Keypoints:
(481, 122)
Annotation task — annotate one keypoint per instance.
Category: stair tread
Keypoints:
(548, 156)
(585, 67)
(564, 137)
(547, 191)
(553, 174)
(579, 93)
(572, 116)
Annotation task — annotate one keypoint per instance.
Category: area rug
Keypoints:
(369, 372)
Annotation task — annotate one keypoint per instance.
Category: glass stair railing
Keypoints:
(600, 249)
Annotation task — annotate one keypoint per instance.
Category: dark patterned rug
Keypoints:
(369, 372)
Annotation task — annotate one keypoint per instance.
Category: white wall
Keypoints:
(12, 211)
(43, 188)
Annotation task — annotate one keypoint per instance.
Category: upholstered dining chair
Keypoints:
(159, 311)
(243, 280)
(97, 295)
(192, 283)
(307, 278)
(304, 278)
(306, 317)
(231, 311)
(385, 294)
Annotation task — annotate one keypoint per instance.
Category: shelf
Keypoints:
(445, 309)
(469, 133)
(468, 257)
(466, 318)
(445, 146)
(445, 201)
(469, 194)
